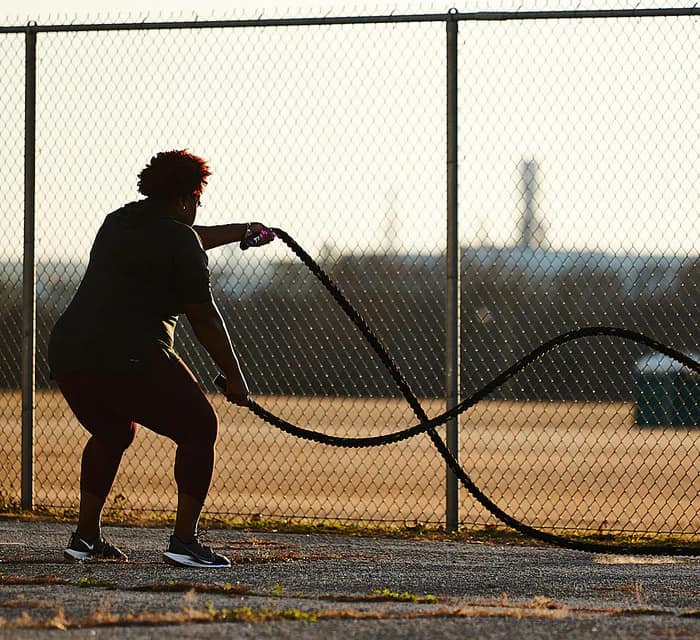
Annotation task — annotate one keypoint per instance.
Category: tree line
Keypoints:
(294, 340)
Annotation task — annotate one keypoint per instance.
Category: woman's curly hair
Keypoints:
(173, 173)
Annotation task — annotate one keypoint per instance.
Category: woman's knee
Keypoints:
(201, 431)
(209, 428)
(120, 440)
(113, 442)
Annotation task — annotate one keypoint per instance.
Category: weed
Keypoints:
(89, 581)
(394, 596)
(8, 504)
(119, 511)
(246, 614)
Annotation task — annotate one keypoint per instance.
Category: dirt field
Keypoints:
(551, 465)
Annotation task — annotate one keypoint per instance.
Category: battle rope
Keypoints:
(428, 425)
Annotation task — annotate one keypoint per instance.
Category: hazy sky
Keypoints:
(21, 9)
(337, 133)
(204, 8)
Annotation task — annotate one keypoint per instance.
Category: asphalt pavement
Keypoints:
(335, 586)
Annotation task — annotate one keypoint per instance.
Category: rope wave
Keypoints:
(428, 425)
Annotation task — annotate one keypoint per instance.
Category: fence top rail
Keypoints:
(453, 14)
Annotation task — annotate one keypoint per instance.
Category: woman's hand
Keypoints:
(219, 235)
(236, 391)
(262, 235)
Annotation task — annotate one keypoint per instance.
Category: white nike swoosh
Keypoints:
(89, 546)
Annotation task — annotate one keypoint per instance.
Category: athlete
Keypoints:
(111, 352)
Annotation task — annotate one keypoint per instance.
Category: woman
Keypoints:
(111, 352)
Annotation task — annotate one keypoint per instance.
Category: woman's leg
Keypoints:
(174, 405)
(111, 436)
(194, 467)
(99, 467)
(160, 393)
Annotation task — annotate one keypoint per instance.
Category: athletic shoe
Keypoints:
(98, 549)
(193, 554)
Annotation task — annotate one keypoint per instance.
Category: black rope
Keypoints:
(428, 425)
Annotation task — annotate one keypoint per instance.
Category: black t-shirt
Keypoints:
(144, 267)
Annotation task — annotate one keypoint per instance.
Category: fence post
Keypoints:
(452, 350)
(29, 272)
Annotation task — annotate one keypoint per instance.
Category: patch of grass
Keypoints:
(189, 615)
(117, 514)
(636, 540)
(118, 510)
(247, 614)
(186, 615)
(539, 607)
(90, 581)
(394, 596)
(8, 504)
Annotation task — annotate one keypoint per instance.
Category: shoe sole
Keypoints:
(83, 556)
(77, 556)
(182, 560)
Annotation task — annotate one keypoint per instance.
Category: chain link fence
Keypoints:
(578, 190)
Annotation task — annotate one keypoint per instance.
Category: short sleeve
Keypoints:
(191, 268)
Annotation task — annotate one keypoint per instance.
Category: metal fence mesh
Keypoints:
(11, 196)
(578, 184)
(578, 156)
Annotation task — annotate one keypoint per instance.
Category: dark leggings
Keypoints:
(158, 392)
